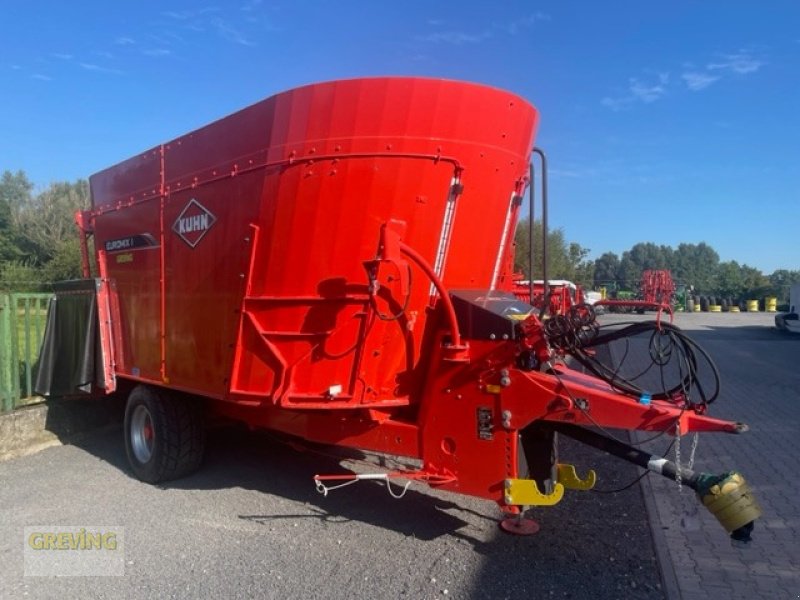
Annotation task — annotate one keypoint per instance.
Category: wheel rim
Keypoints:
(142, 434)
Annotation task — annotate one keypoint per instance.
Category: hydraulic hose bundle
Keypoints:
(674, 362)
(653, 361)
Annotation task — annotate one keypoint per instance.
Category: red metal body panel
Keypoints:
(315, 172)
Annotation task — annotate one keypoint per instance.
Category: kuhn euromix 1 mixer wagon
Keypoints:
(334, 263)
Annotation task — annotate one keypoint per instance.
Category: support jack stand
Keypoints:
(519, 525)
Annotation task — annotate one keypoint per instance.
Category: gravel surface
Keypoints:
(250, 524)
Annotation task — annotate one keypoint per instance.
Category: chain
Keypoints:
(689, 520)
(695, 439)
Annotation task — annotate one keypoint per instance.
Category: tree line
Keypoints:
(39, 242)
(39, 245)
(697, 265)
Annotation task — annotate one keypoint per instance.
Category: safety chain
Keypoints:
(695, 439)
(688, 520)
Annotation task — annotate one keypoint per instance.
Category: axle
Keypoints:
(727, 495)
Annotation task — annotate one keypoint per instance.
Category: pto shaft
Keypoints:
(727, 496)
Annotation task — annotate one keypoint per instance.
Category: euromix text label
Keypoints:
(74, 551)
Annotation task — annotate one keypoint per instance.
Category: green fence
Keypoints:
(22, 322)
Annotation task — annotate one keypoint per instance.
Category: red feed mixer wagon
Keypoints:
(335, 263)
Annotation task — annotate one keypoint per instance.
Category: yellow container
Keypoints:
(696, 307)
(715, 308)
(734, 309)
(752, 306)
(771, 304)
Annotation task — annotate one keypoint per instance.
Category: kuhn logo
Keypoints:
(193, 223)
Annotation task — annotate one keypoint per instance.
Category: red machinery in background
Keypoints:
(656, 292)
(562, 294)
(333, 263)
(657, 287)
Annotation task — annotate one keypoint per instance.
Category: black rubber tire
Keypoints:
(178, 434)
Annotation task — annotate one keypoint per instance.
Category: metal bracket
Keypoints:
(570, 480)
(525, 492)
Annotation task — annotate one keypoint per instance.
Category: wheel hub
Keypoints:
(142, 434)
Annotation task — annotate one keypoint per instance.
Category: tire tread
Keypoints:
(180, 428)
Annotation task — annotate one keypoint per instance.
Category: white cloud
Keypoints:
(41, 77)
(231, 33)
(742, 63)
(180, 16)
(525, 22)
(618, 103)
(171, 35)
(183, 15)
(697, 81)
(695, 78)
(157, 52)
(124, 41)
(251, 5)
(565, 174)
(16, 67)
(457, 38)
(99, 69)
(63, 56)
(649, 93)
(638, 91)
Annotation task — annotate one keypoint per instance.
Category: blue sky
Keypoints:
(665, 122)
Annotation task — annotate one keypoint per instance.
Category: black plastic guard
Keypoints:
(70, 360)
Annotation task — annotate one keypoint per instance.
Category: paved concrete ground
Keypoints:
(760, 370)
(251, 525)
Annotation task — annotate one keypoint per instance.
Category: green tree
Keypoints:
(642, 256)
(46, 246)
(46, 225)
(564, 261)
(695, 264)
(779, 283)
(15, 191)
(729, 280)
(582, 269)
(606, 270)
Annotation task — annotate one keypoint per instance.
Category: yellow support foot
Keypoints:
(569, 478)
(525, 492)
